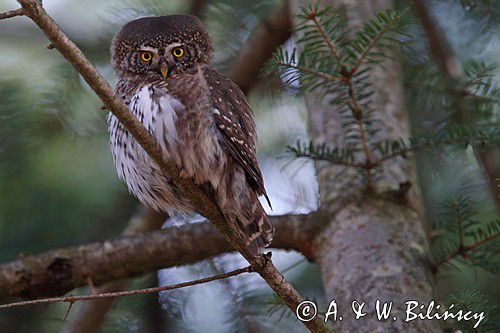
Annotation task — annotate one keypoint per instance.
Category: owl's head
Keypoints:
(162, 45)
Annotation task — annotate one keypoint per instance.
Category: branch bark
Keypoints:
(12, 13)
(374, 247)
(58, 271)
(262, 264)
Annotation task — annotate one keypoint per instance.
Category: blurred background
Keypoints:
(58, 186)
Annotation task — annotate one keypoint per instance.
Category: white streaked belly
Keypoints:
(134, 166)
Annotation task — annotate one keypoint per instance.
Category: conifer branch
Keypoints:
(307, 70)
(320, 152)
(321, 66)
(390, 149)
(463, 250)
(374, 42)
(357, 113)
(312, 15)
(458, 218)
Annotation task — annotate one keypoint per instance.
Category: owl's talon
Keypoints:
(184, 174)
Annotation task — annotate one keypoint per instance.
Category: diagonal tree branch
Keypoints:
(439, 47)
(261, 264)
(450, 66)
(271, 33)
(264, 40)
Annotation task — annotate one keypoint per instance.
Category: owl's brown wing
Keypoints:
(233, 116)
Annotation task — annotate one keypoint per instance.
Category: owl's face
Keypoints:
(166, 46)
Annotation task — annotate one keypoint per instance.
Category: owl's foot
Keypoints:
(184, 174)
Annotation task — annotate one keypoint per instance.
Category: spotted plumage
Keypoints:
(201, 120)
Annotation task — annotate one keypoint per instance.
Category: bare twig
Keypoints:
(70, 305)
(12, 13)
(203, 203)
(73, 299)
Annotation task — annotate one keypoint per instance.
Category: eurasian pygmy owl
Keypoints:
(200, 118)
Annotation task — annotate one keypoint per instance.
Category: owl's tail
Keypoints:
(257, 229)
(246, 212)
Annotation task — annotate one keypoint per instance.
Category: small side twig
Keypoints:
(12, 13)
(70, 305)
(462, 250)
(313, 17)
(73, 299)
(91, 285)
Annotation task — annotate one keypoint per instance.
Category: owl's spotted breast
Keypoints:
(187, 137)
(159, 114)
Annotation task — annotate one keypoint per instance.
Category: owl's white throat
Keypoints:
(158, 112)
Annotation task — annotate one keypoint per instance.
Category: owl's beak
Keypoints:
(164, 70)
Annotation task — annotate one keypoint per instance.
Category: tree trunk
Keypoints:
(374, 245)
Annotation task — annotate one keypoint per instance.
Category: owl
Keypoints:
(201, 120)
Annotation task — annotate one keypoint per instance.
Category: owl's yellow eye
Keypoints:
(146, 56)
(178, 52)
